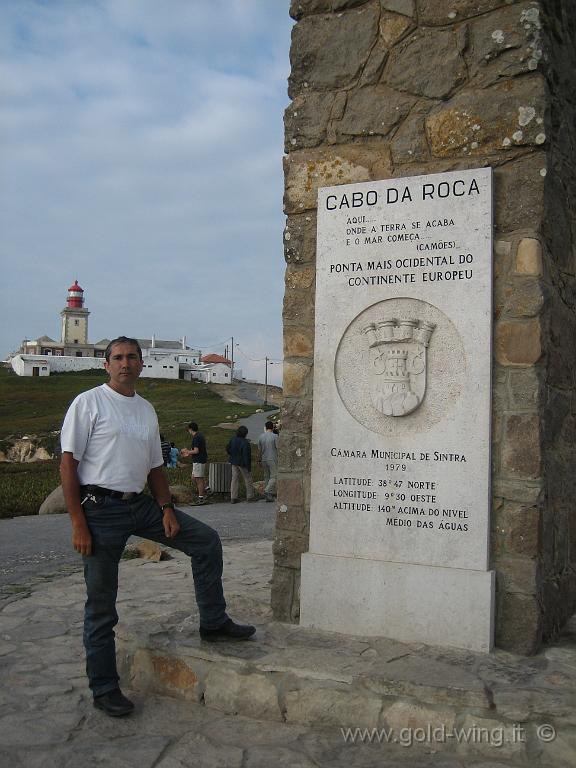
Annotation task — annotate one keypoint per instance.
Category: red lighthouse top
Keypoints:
(75, 296)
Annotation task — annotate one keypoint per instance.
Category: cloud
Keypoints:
(142, 147)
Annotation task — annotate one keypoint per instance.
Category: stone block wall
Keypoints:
(391, 88)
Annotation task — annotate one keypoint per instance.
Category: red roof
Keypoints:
(213, 358)
(76, 287)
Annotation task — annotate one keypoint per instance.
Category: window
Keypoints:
(76, 322)
(79, 354)
(226, 375)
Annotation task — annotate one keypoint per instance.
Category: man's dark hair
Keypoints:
(122, 340)
(193, 426)
(269, 425)
(241, 431)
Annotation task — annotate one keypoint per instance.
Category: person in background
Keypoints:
(110, 449)
(174, 452)
(199, 455)
(240, 457)
(268, 458)
(165, 448)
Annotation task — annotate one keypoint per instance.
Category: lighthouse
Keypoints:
(74, 321)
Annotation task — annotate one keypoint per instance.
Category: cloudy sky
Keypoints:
(141, 153)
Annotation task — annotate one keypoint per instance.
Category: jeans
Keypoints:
(235, 483)
(111, 523)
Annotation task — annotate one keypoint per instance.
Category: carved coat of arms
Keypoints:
(398, 352)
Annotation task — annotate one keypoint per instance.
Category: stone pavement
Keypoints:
(281, 699)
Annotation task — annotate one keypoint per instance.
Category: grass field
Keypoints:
(36, 406)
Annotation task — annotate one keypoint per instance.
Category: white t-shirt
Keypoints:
(115, 438)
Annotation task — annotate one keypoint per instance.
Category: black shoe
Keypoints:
(233, 501)
(228, 631)
(114, 703)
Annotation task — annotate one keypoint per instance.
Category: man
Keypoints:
(239, 453)
(110, 448)
(200, 457)
(268, 458)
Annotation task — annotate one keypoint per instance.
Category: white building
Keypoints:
(162, 359)
(44, 365)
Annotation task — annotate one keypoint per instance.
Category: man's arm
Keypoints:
(161, 492)
(81, 536)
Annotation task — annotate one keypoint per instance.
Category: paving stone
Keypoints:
(41, 729)
(264, 757)
(198, 751)
(120, 753)
(242, 730)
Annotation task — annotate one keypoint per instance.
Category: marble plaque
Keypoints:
(401, 429)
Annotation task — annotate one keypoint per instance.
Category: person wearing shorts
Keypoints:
(199, 458)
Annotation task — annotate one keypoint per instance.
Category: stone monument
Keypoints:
(399, 514)
(382, 91)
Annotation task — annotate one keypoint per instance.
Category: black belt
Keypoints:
(97, 490)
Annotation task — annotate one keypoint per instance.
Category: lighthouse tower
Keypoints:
(74, 321)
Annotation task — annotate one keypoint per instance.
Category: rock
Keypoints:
(404, 715)
(519, 192)
(253, 695)
(373, 111)
(476, 122)
(300, 242)
(405, 7)
(300, 8)
(297, 379)
(307, 170)
(529, 257)
(524, 388)
(504, 44)
(428, 63)
(182, 494)
(54, 503)
(306, 119)
(332, 707)
(27, 450)
(149, 550)
(518, 343)
(329, 52)
(298, 342)
(440, 12)
(521, 455)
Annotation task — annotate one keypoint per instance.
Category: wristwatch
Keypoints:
(168, 505)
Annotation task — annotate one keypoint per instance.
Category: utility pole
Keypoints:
(266, 384)
(232, 362)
